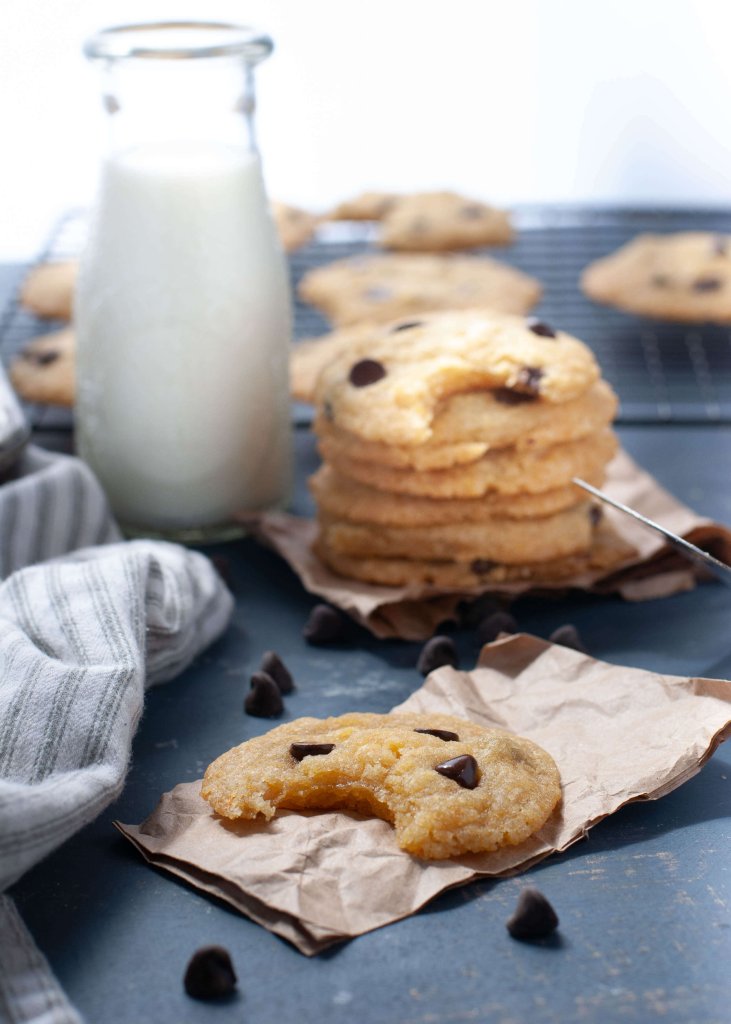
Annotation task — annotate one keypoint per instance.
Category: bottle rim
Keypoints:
(179, 40)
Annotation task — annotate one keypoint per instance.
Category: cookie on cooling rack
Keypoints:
(48, 290)
(45, 369)
(684, 276)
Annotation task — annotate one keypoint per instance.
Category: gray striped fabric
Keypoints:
(80, 639)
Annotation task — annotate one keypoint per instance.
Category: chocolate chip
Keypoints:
(210, 974)
(473, 612)
(325, 625)
(719, 246)
(568, 636)
(660, 280)
(441, 734)
(472, 212)
(596, 513)
(45, 358)
(506, 396)
(300, 750)
(438, 651)
(273, 665)
(493, 625)
(377, 293)
(406, 325)
(707, 284)
(528, 380)
(533, 918)
(482, 566)
(365, 372)
(263, 699)
(462, 769)
(539, 327)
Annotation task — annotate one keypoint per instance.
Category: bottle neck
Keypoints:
(189, 102)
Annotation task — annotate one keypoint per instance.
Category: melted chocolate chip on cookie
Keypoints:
(441, 734)
(300, 750)
(506, 396)
(42, 358)
(595, 514)
(529, 380)
(366, 372)
(707, 284)
(406, 325)
(543, 330)
(462, 769)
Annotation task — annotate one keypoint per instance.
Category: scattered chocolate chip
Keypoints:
(223, 567)
(473, 612)
(406, 325)
(273, 665)
(441, 734)
(300, 750)
(493, 625)
(568, 636)
(596, 512)
(365, 372)
(506, 396)
(438, 651)
(539, 327)
(482, 566)
(325, 625)
(533, 918)
(707, 284)
(462, 769)
(719, 246)
(377, 293)
(328, 412)
(472, 212)
(660, 280)
(263, 699)
(528, 380)
(210, 974)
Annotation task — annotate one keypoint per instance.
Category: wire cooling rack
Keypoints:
(663, 372)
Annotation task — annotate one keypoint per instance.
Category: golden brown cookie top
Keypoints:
(448, 785)
(377, 289)
(684, 276)
(48, 290)
(295, 226)
(391, 392)
(436, 221)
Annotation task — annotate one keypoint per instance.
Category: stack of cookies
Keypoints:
(449, 459)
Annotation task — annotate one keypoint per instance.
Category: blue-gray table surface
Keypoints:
(645, 928)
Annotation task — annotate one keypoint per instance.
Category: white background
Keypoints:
(506, 100)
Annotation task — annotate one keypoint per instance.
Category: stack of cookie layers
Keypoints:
(448, 459)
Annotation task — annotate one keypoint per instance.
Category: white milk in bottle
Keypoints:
(183, 321)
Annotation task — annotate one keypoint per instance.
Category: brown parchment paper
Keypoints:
(412, 613)
(617, 735)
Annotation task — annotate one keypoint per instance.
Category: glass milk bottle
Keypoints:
(183, 311)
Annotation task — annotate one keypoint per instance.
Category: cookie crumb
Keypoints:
(533, 918)
(210, 973)
(438, 651)
(263, 699)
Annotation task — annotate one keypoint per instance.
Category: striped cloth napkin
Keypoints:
(81, 637)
